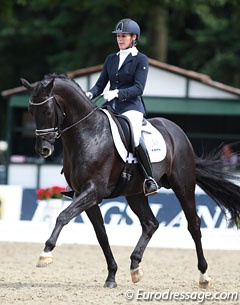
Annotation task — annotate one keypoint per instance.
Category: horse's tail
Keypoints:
(218, 184)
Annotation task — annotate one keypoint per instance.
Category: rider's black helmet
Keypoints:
(127, 25)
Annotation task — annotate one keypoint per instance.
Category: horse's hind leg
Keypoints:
(96, 219)
(186, 196)
(139, 205)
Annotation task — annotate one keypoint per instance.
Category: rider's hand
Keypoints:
(110, 95)
(89, 95)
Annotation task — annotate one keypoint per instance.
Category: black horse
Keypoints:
(93, 167)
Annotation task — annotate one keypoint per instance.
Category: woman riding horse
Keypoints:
(92, 166)
(127, 72)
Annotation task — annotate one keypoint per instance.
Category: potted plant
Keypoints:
(50, 203)
(52, 192)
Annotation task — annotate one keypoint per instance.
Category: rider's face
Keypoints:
(125, 40)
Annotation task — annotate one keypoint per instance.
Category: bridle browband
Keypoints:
(39, 104)
(56, 130)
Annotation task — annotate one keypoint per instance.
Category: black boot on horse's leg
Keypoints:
(69, 193)
(150, 186)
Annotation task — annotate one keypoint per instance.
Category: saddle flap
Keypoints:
(124, 128)
(153, 139)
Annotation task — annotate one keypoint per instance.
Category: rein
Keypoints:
(56, 130)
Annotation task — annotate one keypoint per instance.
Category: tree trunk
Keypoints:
(159, 34)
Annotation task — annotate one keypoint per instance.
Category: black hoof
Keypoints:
(110, 285)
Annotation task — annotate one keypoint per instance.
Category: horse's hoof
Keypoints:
(44, 261)
(110, 285)
(205, 284)
(204, 281)
(137, 274)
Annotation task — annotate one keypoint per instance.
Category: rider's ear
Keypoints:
(27, 85)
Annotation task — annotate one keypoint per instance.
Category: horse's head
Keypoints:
(47, 114)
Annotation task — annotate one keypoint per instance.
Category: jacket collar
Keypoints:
(133, 51)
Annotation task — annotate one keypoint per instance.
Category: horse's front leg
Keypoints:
(84, 201)
(139, 205)
(96, 219)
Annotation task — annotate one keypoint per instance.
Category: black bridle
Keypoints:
(56, 131)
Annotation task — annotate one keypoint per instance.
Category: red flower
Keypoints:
(50, 192)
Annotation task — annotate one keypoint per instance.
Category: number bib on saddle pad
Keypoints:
(153, 139)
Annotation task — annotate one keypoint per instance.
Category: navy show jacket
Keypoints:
(130, 80)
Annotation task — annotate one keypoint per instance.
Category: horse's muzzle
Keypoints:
(43, 147)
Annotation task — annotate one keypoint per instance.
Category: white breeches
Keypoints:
(136, 118)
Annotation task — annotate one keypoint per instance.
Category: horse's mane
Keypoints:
(61, 76)
(48, 77)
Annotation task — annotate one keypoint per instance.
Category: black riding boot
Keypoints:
(68, 193)
(150, 186)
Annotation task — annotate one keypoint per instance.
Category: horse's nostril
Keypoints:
(45, 151)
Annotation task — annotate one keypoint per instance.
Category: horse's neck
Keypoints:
(76, 104)
(80, 141)
(84, 127)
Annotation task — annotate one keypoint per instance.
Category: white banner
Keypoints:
(23, 220)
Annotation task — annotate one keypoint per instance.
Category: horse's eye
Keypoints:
(48, 112)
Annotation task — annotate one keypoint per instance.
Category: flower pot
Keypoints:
(48, 210)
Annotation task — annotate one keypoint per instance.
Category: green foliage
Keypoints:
(209, 41)
(42, 36)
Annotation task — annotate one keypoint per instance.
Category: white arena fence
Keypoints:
(23, 219)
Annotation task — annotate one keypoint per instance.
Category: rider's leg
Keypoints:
(150, 186)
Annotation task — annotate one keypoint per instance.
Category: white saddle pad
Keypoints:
(153, 139)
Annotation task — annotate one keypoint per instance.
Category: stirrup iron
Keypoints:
(151, 190)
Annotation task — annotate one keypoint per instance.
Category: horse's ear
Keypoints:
(27, 85)
(47, 83)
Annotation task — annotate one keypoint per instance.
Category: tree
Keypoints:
(43, 36)
(209, 40)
